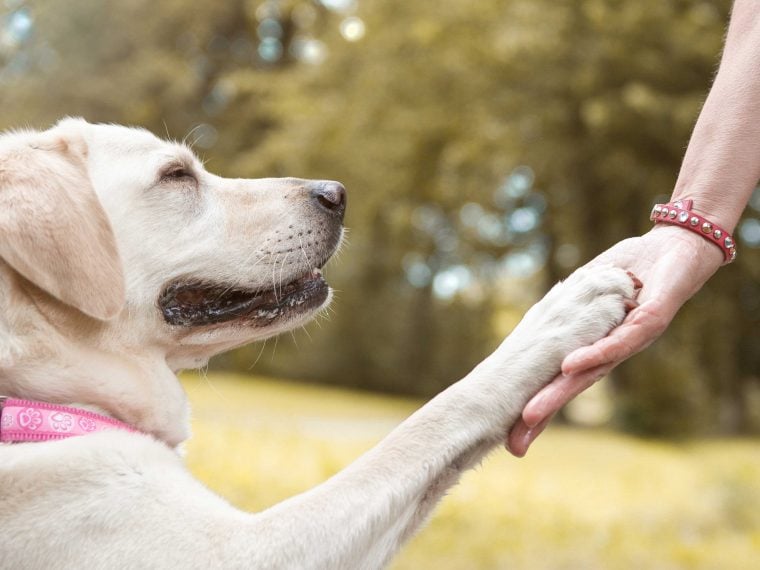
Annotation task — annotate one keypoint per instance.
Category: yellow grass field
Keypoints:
(581, 500)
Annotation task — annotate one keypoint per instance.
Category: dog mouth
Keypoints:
(189, 303)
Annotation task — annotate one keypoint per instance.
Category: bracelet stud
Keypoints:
(680, 213)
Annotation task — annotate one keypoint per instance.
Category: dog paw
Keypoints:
(574, 313)
(583, 308)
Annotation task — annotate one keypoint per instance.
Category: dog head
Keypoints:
(121, 246)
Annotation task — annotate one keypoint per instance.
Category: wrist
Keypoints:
(699, 246)
(712, 207)
(692, 245)
(683, 215)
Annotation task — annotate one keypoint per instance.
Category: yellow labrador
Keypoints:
(123, 261)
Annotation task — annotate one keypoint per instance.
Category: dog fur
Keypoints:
(95, 221)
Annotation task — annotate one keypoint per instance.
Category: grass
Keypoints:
(580, 500)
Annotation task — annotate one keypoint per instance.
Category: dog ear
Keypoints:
(53, 229)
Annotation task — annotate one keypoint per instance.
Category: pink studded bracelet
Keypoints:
(679, 213)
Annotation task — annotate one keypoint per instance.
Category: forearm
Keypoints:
(722, 162)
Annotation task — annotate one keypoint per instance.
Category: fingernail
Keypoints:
(567, 367)
(512, 451)
(536, 404)
(527, 438)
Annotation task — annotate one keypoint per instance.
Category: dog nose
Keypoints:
(330, 195)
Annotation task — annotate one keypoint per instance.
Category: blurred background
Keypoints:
(489, 148)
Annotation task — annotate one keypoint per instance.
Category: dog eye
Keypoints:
(178, 174)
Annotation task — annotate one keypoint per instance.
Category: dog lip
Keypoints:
(189, 302)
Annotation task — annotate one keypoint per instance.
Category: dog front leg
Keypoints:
(360, 517)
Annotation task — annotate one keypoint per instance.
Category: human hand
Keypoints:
(672, 264)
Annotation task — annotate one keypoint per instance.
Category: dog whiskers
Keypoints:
(274, 350)
(282, 268)
(263, 346)
(308, 261)
(274, 278)
(307, 333)
(204, 374)
(188, 135)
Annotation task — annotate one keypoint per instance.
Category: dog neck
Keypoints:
(95, 369)
(23, 421)
(142, 393)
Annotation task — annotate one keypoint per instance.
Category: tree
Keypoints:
(488, 149)
(599, 97)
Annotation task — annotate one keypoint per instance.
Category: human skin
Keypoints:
(720, 169)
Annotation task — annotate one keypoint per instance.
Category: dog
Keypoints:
(123, 261)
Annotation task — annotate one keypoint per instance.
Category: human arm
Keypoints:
(720, 169)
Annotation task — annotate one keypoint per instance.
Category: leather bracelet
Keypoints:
(679, 213)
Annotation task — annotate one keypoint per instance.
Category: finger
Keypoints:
(559, 392)
(539, 411)
(642, 326)
(521, 436)
(516, 435)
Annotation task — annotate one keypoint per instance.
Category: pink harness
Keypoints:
(27, 420)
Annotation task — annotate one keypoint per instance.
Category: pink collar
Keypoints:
(27, 420)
